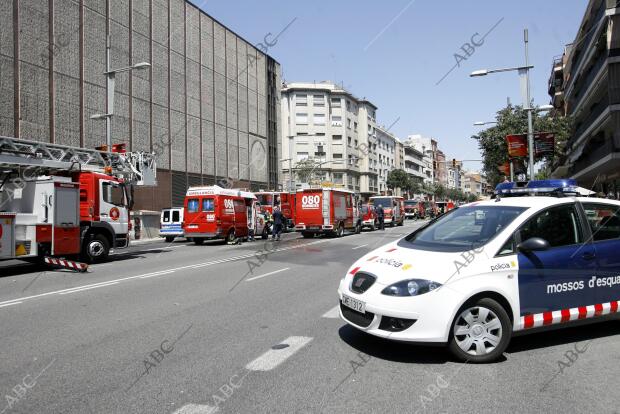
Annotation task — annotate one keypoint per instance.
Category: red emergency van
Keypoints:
(218, 213)
(326, 211)
(393, 209)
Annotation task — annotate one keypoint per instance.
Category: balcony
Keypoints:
(595, 111)
(585, 42)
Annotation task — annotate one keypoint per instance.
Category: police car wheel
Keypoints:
(169, 239)
(480, 332)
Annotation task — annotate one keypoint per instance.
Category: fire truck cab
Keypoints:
(218, 213)
(326, 211)
(286, 201)
(393, 209)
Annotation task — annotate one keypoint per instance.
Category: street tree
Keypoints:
(513, 120)
(398, 179)
(305, 170)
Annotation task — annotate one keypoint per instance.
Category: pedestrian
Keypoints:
(381, 217)
(278, 220)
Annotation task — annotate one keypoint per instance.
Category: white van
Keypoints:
(171, 223)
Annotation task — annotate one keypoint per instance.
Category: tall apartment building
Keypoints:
(206, 105)
(585, 84)
(427, 146)
(337, 130)
(387, 150)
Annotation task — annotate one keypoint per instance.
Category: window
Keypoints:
(336, 102)
(301, 118)
(166, 215)
(349, 141)
(318, 119)
(208, 204)
(336, 137)
(192, 205)
(176, 216)
(355, 126)
(113, 193)
(336, 118)
(338, 178)
(337, 156)
(302, 156)
(464, 228)
(604, 221)
(301, 99)
(558, 225)
(355, 143)
(318, 100)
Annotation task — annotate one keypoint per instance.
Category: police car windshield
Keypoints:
(464, 228)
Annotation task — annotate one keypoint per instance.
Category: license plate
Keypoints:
(354, 304)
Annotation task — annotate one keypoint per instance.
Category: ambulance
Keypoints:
(541, 255)
(214, 212)
(326, 210)
(393, 209)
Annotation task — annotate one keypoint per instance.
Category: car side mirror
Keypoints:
(533, 244)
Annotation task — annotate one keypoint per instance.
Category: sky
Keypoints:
(396, 52)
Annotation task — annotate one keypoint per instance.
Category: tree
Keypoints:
(440, 192)
(397, 179)
(513, 120)
(305, 169)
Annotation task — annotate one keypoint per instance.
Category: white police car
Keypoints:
(484, 271)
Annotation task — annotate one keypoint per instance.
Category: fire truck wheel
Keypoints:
(230, 238)
(96, 249)
(198, 241)
(340, 231)
(307, 235)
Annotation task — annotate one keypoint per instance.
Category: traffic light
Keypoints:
(453, 162)
(434, 165)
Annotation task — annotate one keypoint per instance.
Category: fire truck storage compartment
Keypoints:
(7, 235)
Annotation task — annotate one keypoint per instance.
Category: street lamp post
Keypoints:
(524, 71)
(110, 85)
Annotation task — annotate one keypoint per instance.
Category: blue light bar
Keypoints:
(536, 187)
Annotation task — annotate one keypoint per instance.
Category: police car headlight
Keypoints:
(411, 287)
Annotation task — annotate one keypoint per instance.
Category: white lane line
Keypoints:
(267, 274)
(274, 357)
(11, 303)
(196, 409)
(333, 313)
(87, 288)
(359, 247)
(154, 274)
(246, 256)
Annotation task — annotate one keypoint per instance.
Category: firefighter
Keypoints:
(381, 217)
(278, 219)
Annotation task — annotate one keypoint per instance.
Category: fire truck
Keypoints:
(393, 209)
(61, 201)
(214, 212)
(286, 201)
(326, 211)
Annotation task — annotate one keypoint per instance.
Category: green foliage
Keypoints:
(513, 120)
(305, 170)
(398, 178)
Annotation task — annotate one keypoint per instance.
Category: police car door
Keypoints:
(557, 278)
(604, 222)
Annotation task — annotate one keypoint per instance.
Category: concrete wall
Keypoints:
(202, 106)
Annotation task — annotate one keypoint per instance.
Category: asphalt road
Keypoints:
(185, 329)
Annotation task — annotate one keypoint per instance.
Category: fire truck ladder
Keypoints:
(138, 168)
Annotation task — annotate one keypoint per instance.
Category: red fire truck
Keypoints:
(393, 209)
(65, 201)
(218, 213)
(326, 211)
(286, 201)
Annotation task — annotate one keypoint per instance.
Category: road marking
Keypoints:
(274, 357)
(83, 288)
(194, 266)
(163, 272)
(11, 303)
(359, 247)
(267, 274)
(333, 313)
(196, 409)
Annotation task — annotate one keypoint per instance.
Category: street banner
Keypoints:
(504, 168)
(544, 144)
(517, 145)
